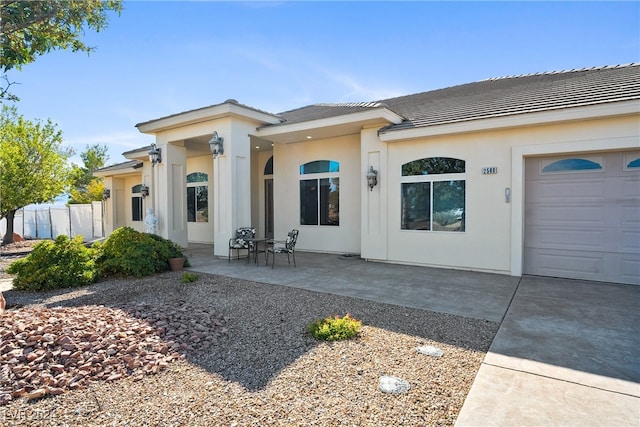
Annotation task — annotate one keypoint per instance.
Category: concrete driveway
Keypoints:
(566, 354)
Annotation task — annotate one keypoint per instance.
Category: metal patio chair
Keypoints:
(239, 241)
(287, 246)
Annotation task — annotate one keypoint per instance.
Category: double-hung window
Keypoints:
(197, 197)
(320, 193)
(433, 195)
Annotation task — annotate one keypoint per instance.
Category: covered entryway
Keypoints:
(582, 217)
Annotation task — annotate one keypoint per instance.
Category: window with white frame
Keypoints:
(136, 203)
(433, 195)
(320, 193)
(198, 197)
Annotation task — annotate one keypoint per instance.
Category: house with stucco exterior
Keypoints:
(531, 174)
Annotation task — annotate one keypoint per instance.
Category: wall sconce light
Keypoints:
(372, 178)
(144, 191)
(106, 193)
(215, 144)
(155, 155)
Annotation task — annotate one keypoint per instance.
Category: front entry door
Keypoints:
(268, 208)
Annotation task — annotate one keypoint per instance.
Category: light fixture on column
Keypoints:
(155, 155)
(144, 191)
(372, 178)
(106, 193)
(215, 144)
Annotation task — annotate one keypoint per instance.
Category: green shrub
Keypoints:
(61, 263)
(335, 328)
(127, 252)
(188, 277)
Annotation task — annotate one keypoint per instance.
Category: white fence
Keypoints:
(52, 221)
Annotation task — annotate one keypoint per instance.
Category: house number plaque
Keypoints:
(490, 170)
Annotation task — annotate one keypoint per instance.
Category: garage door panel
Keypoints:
(630, 185)
(579, 191)
(583, 225)
(609, 239)
(554, 238)
(630, 241)
(561, 263)
(630, 269)
(630, 215)
(545, 215)
(597, 266)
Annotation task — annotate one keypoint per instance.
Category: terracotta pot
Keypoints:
(176, 264)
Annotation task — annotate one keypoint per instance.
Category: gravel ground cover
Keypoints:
(253, 363)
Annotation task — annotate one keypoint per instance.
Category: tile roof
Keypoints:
(495, 97)
(323, 111)
(228, 101)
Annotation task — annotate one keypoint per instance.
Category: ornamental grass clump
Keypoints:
(335, 328)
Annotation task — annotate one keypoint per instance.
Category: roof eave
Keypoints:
(329, 126)
(124, 168)
(206, 114)
(560, 114)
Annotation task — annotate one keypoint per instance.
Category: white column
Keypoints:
(231, 185)
(168, 192)
(373, 232)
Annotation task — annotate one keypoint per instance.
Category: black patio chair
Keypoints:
(287, 246)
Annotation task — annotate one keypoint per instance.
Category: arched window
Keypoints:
(569, 165)
(320, 195)
(433, 194)
(136, 203)
(320, 166)
(432, 166)
(633, 164)
(268, 168)
(197, 197)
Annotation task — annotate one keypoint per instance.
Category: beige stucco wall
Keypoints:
(369, 220)
(493, 238)
(344, 238)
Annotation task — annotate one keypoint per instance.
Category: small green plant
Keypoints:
(61, 263)
(335, 328)
(189, 277)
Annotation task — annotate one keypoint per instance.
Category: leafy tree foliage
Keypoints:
(85, 187)
(33, 164)
(32, 28)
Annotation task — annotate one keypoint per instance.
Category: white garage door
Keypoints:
(582, 217)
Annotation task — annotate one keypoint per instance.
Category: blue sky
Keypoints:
(161, 58)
